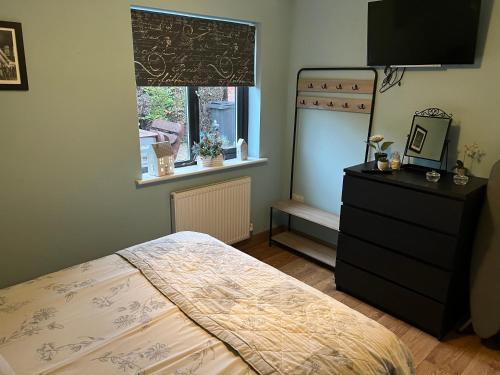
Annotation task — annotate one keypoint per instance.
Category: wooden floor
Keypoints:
(456, 354)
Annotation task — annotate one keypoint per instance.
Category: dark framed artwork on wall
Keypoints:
(13, 74)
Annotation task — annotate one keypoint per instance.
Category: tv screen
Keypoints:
(422, 32)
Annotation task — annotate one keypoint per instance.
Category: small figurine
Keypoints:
(160, 159)
(241, 150)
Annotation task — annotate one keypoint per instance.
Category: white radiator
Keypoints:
(221, 210)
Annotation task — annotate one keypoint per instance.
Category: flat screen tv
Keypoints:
(422, 32)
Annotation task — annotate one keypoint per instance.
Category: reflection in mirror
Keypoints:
(428, 135)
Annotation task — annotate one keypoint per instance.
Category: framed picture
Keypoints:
(12, 63)
(418, 140)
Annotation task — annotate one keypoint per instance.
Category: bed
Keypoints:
(186, 304)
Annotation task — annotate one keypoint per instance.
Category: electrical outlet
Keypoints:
(298, 198)
(251, 227)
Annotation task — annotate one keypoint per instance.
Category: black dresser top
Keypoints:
(416, 180)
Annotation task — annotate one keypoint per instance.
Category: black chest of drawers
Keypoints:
(405, 244)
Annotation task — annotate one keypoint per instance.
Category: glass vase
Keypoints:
(395, 161)
(461, 178)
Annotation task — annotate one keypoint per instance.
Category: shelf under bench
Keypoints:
(313, 249)
(296, 241)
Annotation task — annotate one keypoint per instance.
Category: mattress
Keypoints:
(108, 316)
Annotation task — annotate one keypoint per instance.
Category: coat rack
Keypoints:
(328, 86)
(335, 103)
(361, 86)
(322, 94)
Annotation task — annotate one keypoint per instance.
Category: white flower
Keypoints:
(376, 138)
(473, 151)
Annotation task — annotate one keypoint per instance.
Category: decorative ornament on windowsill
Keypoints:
(161, 159)
(209, 152)
(474, 153)
(374, 142)
(241, 150)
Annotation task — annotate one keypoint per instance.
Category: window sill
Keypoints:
(194, 170)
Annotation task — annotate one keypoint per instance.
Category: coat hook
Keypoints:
(330, 104)
(361, 106)
(355, 87)
(345, 105)
(310, 86)
(316, 102)
(339, 86)
(303, 101)
(324, 86)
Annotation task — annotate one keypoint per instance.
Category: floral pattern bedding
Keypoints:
(212, 310)
(104, 317)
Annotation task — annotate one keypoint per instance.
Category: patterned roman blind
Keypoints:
(175, 50)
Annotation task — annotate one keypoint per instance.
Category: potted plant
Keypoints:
(383, 163)
(208, 151)
(375, 142)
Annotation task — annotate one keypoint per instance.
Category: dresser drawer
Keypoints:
(432, 211)
(403, 303)
(420, 277)
(420, 243)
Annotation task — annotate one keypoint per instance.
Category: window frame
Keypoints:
(193, 119)
(193, 108)
(193, 116)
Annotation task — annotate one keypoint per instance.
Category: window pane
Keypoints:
(219, 104)
(163, 115)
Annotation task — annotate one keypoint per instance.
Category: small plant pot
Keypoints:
(210, 162)
(379, 155)
(383, 165)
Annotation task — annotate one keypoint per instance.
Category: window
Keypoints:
(179, 114)
(192, 74)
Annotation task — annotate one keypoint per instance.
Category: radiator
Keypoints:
(221, 210)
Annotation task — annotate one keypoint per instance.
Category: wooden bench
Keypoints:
(171, 131)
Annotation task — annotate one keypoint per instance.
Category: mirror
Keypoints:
(428, 134)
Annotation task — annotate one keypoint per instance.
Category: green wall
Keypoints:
(69, 149)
